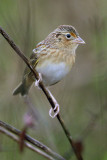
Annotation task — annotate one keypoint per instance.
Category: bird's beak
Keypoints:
(79, 40)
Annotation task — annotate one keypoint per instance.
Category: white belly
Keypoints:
(52, 72)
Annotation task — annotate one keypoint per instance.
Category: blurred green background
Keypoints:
(82, 95)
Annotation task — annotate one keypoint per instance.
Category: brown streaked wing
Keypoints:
(40, 49)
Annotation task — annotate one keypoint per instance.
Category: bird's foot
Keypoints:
(38, 81)
(56, 111)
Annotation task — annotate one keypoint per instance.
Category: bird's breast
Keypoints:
(53, 69)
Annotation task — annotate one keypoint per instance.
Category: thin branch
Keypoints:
(28, 145)
(31, 140)
(46, 92)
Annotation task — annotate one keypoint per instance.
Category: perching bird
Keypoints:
(52, 58)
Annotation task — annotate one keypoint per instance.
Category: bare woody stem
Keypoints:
(46, 92)
(28, 145)
(31, 140)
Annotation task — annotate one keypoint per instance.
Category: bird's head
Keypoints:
(65, 37)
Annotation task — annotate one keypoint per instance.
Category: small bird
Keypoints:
(52, 58)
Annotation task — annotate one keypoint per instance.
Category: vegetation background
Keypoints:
(82, 95)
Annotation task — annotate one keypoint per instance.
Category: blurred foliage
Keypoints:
(82, 95)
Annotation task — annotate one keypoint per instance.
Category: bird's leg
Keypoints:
(55, 109)
(38, 81)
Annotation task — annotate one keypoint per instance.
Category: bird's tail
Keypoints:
(23, 88)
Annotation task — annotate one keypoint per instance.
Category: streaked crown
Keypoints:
(66, 28)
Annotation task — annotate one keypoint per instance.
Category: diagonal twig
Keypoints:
(31, 140)
(46, 92)
(28, 145)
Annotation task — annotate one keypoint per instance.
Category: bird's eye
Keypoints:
(68, 35)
